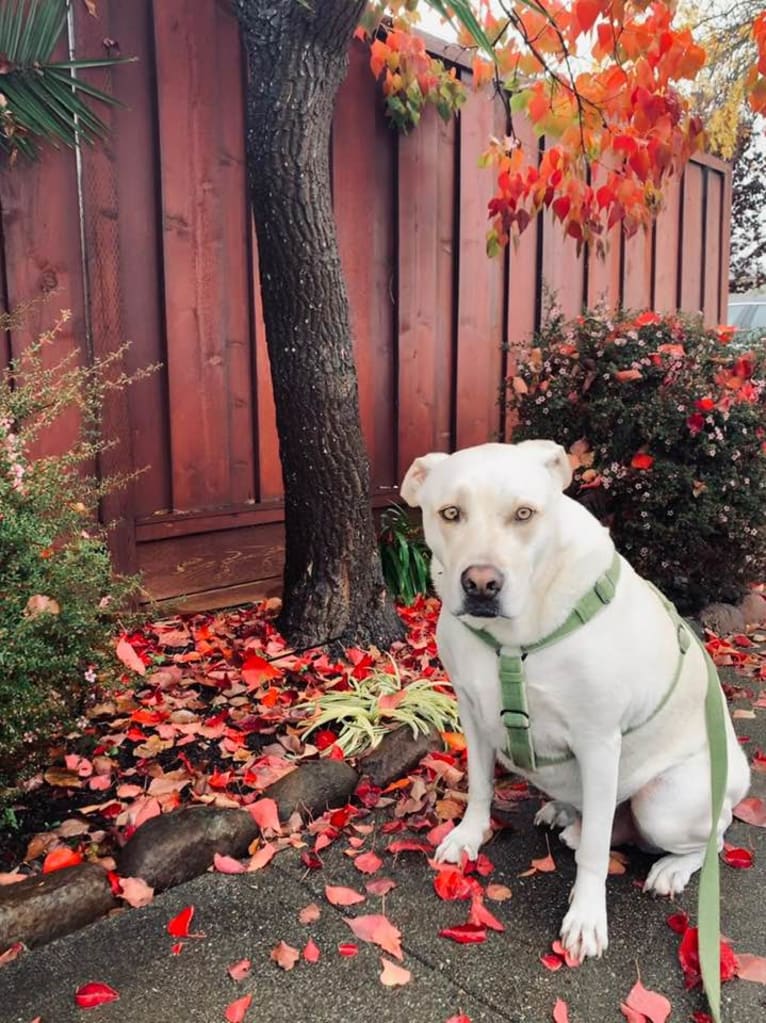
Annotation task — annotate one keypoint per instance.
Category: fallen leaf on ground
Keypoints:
(178, 927)
(227, 864)
(311, 952)
(235, 1011)
(618, 862)
(750, 967)
(239, 970)
(458, 1019)
(95, 993)
(12, 953)
(464, 934)
(59, 858)
(688, 956)
(655, 1007)
(392, 975)
(309, 914)
(481, 916)
(752, 811)
(340, 896)
(551, 962)
(378, 929)
(285, 955)
(498, 892)
(265, 814)
(368, 863)
(135, 891)
(451, 884)
(678, 922)
(348, 949)
(560, 1012)
(736, 857)
(261, 857)
(380, 886)
(545, 865)
(129, 657)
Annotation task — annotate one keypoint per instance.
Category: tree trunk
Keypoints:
(297, 57)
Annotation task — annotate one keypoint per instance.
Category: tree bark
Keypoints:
(297, 54)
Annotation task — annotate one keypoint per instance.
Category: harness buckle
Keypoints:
(605, 589)
(514, 718)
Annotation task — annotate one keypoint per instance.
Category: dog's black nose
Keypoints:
(482, 582)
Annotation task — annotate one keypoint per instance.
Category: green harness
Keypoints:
(515, 716)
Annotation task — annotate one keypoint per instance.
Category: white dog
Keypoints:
(612, 712)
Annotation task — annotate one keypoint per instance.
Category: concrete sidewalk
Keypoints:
(247, 915)
(500, 980)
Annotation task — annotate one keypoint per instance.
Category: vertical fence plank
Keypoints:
(711, 260)
(637, 271)
(234, 314)
(604, 272)
(691, 240)
(192, 242)
(425, 218)
(666, 266)
(725, 254)
(481, 281)
(363, 185)
(563, 269)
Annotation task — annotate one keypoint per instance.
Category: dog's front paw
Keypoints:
(464, 840)
(584, 930)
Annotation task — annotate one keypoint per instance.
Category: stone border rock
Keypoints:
(176, 847)
(725, 619)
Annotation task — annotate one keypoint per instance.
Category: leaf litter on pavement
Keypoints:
(207, 715)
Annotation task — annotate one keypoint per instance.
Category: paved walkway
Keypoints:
(500, 980)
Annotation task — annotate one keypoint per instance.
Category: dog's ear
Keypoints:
(554, 458)
(416, 476)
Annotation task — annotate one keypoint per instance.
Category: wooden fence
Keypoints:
(149, 238)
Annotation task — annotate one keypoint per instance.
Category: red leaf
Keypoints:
(481, 916)
(392, 975)
(285, 955)
(265, 814)
(702, 1017)
(409, 845)
(368, 863)
(381, 886)
(736, 857)
(752, 811)
(378, 929)
(451, 884)
(348, 949)
(179, 925)
(177, 949)
(750, 967)
(256, 671)
(129, 657)
(227, 864)
(340, 896)
(465, 934)
(59, 858)
(310, 860)
(239, 970)
(458, 1019)
(560, 1012)
(311, 952)
(551, 962)
(235, 1012)
(654, 1006)
(11, 953)
(688, 956)
(641, 461)
(93, 994)
(678, 922)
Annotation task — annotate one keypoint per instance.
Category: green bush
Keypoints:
(404, 555)
(58, 597)
(665, 428)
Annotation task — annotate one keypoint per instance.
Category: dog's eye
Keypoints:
(450, 513)
(522, 514)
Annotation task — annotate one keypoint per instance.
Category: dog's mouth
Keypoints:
(480, 608)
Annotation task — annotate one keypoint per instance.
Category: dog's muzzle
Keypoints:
(481, 585)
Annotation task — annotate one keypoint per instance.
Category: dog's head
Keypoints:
(489, 517)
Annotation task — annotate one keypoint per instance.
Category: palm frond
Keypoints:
(41, 101)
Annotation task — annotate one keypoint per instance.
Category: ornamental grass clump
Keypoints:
(59, 599)
(665, 426)
(372, 706)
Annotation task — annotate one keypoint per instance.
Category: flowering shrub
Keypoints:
(665, 428)
(58, 599)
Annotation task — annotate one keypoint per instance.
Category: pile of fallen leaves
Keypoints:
(213, 719)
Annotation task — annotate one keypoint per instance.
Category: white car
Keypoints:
(747, 313)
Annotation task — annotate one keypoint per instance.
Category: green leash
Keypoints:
(515, 716)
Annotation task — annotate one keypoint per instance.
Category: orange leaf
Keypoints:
(256, 670)
(309, 914)
(59, 858)
(654, 1006)
(368, 863)
(560, 1012)
(265, 814)
(129, 657)
(239, 970)
(337, 895)
(311, 952)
